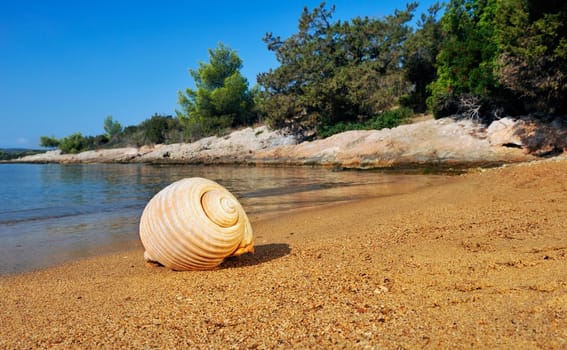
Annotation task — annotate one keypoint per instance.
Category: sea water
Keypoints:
(51, 213)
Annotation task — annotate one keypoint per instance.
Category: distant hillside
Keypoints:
(13, 153)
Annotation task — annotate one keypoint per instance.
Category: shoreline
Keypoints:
(15, 260)
(478, 262)
(442, 143)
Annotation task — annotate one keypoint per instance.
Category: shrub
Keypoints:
(388, 119)
(74, 143)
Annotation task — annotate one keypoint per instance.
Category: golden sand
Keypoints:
(480, 262)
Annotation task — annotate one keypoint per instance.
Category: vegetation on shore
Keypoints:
(221, 100)
(15, 153)
(478, 59)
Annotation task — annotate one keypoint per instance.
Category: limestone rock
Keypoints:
(442, 141)
(506, 132)
(238, 147)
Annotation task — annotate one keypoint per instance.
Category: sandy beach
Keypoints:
(479, 262)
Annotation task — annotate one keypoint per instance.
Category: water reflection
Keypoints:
(53, 213)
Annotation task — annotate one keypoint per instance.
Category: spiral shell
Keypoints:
(194, 224)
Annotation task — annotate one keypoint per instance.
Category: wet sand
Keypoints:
(479, 262)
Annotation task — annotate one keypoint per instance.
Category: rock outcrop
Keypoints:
(238, 147)
(443, 142)
(115, 155)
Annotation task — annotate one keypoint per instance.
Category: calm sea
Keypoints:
(52, 213)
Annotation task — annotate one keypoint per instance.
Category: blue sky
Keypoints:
(66, 65)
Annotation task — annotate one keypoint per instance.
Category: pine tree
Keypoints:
(221, 99)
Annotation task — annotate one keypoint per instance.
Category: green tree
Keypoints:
(333, 72)
(157, 129)
(501, 55)
(74, 143)
(468, 55)
(111, 127)
(421, 50)
(221, 98)
(533, 59)
(49, 142)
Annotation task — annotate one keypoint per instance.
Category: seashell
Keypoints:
(194, 224)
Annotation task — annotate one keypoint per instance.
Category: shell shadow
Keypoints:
(262, 253)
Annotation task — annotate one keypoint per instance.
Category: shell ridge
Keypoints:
(205, 240)
(188, 247)
(150, 242)
(158, 225)
(161, 225)
(181, 227)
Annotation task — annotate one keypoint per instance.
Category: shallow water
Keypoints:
(51, 213)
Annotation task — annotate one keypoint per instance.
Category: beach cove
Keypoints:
(479, 261)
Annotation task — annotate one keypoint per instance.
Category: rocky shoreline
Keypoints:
(443, 142)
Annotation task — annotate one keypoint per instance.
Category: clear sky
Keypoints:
(66, 65)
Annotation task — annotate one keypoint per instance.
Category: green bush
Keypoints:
(9, 154)
(74, 143)
(389, 119)
(154, 130)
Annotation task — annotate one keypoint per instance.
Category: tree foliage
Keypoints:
(421, 50)
(73, 143)
(221, 99)
(154, 130)
(334, 72)
(112, 127)
(387, 119)
(15, 153)
(49, 142)
(533, 60)
(500, 53)
(158, 129)
(466, 61)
